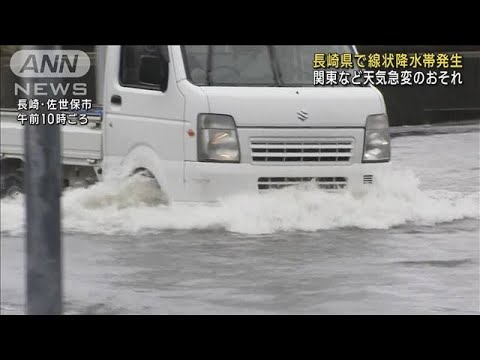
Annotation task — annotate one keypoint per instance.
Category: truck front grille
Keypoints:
(301, 151)
(327, 183)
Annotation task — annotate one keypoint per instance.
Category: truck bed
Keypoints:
(81, 144)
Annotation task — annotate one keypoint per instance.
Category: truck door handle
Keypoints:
(116, 99)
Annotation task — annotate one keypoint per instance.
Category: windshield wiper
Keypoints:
(276, 68)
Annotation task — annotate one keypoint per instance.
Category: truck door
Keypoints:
(144, 109)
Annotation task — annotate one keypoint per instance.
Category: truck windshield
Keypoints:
(254, 65)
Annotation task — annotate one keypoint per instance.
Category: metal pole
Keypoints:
(99, 72)
(43, 191)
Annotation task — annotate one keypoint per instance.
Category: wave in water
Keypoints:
(135, 205)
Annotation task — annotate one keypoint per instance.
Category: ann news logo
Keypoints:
(48, 64)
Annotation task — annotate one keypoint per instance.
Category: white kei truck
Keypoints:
(209, 121)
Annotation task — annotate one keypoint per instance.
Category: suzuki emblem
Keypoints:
(302, 115)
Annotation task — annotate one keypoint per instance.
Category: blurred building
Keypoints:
(423, 104)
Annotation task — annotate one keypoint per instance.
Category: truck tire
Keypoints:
(11, 185)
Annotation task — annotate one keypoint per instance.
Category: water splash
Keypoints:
(136, 206)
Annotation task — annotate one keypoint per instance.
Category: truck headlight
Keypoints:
(377, 139)
(217, 138)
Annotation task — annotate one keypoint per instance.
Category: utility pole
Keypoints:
(43, 190)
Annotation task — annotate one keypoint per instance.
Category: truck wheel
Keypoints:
(12, 186)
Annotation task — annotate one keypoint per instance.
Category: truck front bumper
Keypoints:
(207, 182)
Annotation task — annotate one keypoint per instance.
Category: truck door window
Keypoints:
(144, 66)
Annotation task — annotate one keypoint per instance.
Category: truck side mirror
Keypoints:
(153, 71)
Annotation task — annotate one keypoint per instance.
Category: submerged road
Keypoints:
(410, 246)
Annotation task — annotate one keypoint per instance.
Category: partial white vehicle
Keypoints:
(211, 121)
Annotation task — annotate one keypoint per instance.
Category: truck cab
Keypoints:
(211, 121)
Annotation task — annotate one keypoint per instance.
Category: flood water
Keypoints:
(410, 246)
